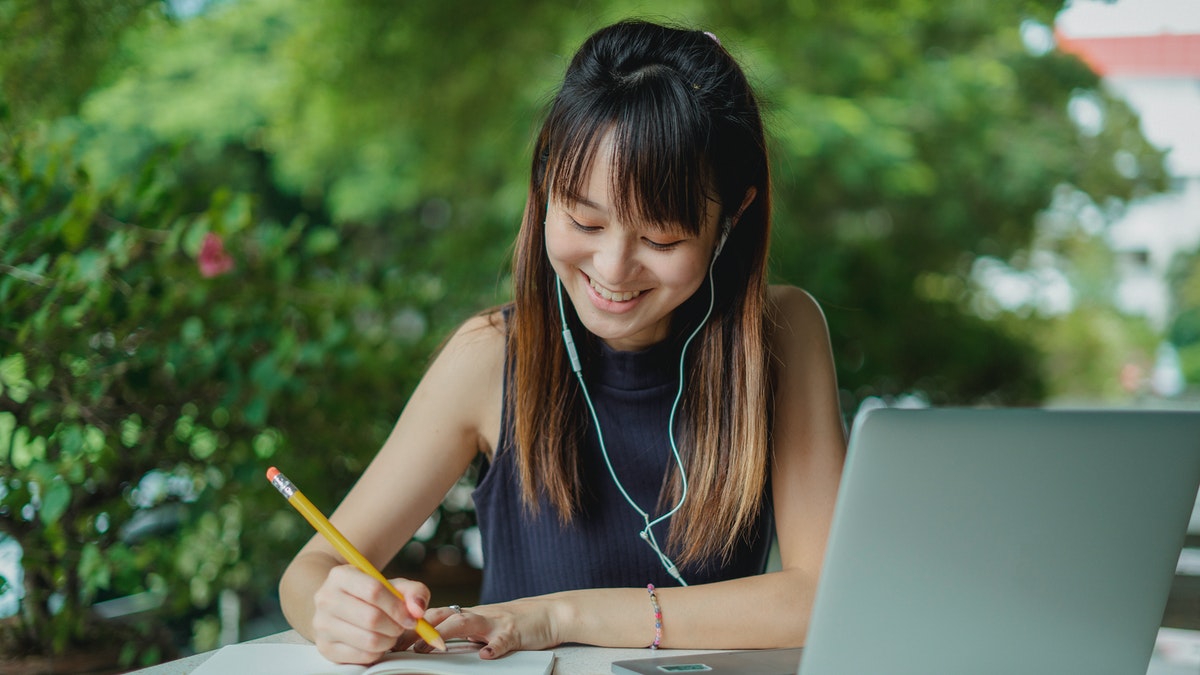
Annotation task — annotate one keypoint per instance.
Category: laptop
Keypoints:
(994, 541)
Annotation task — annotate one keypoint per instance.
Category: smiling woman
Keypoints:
(623, 406)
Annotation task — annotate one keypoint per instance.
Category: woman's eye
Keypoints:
(583, 228)
(660, 245)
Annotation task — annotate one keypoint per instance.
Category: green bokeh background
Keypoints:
(365, 163)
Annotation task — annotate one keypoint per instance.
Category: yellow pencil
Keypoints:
(343, 546)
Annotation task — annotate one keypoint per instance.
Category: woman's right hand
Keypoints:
(357, 620)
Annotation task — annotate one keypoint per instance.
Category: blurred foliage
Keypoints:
(1184, 332)
(54, 50)
(133, 385)
(364, 166)
(913, 138)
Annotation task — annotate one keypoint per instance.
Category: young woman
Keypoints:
(651, 413)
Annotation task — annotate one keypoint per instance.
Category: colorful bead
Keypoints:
(657, 617)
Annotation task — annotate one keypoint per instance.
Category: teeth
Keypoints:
(615, 297)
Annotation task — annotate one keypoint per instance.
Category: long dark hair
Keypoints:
(686, 129)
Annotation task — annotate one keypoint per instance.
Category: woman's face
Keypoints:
(624, 279)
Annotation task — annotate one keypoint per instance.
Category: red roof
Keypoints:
(1165, 55)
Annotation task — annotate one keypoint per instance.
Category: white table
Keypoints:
(569, 660)
(582, 660)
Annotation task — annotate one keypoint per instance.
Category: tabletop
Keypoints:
(1178, 653)
(569, 660)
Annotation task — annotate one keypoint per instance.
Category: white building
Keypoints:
(1148, 53)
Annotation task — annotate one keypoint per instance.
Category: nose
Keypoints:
(615, 259)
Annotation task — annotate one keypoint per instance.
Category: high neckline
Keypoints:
(653, 366)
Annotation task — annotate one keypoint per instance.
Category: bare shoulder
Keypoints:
(481, 336)
(467, 376)
(467, 371)
(475, 350)
(795, 319)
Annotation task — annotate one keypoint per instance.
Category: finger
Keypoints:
(453, 625)
(354, 582)
(357, 651)
(337, 602)
(360, 615)
(407, 639)
(340, 652)
(416, 596)
(437, 615)
(332, 629)
(498, 646)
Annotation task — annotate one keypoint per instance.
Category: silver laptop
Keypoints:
(1000, 541)
(750, 662)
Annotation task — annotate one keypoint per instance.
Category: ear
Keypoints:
(751, 193)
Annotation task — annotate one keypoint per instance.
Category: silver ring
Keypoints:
(457, 609)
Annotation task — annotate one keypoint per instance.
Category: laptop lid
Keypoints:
(1003, 541)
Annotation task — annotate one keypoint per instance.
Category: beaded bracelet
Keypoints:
(657, 617)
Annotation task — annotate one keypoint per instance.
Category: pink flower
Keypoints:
(213, 260)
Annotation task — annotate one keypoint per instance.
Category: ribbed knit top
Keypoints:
(527, 555)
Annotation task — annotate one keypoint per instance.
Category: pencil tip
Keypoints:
(439, 644)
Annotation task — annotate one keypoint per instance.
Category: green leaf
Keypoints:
(265, 443)
(8, 423)
(70, 440)
(131, 430)
(94, 572)
(12, 369)
(55, 502)
(192, 330)
(93, 442)
(90, 267)
(26, 451)
(321, 241)
(76, 226)
(203, 444)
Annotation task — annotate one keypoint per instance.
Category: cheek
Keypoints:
(686, 273)
(562, 248)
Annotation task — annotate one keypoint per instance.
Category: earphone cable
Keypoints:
(647, 534)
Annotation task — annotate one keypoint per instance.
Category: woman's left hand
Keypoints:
(526, 624)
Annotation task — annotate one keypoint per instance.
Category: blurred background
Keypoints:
(232, 232)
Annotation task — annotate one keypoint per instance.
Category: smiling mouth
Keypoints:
(613, 296)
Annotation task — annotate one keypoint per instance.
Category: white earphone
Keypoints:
(647, 533)
(726, 228)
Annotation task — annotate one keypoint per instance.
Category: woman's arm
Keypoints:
(769, 610)
(452, 415)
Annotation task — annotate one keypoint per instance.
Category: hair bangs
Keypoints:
(660, 176)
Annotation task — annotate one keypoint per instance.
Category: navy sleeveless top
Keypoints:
(526, 555)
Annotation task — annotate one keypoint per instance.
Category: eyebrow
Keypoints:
(584, 201)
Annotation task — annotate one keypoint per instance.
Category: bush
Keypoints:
(155, 358)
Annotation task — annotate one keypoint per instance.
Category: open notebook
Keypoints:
(284, 659)
(1000, 541)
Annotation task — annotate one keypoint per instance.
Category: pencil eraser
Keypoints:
(271, 473)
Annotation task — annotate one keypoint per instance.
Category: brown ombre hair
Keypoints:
(687, 131)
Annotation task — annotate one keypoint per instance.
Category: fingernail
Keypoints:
(488, 652)
(422, 603)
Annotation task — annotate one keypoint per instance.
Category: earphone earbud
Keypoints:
(726, 228)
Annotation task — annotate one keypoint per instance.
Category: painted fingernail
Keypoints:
(488, 652)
